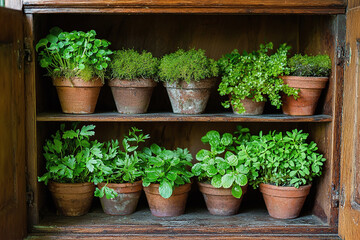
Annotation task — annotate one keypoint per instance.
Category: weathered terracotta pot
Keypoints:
(251, 107)
(284, 202)
(126, 201)
(132, 96)
(72, 199)
(220, 201)
(167, 207)
(190, 98)
(77, 96)
(310, 91)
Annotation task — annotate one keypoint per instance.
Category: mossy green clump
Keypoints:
(310, 66)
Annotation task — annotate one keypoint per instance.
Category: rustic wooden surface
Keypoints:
(190, 6)
(14, 4)
(12, 127)
(349, 214)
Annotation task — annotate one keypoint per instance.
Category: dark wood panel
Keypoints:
(171, 117)
(189, 6)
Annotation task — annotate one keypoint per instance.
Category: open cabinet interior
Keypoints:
(218, 35)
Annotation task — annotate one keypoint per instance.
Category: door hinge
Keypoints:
(27, 51)
(334, 196)
(30, 198)
(343, 55)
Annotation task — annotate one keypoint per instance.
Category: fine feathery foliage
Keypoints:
(120, 166)
(310, 66)
(221, 167)
(283, 159)
(254, 75)
(130, 64)
(74, 54)
(166, 167)
(70, 156)
(192, 65)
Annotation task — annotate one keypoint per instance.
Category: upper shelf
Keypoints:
(187, 6)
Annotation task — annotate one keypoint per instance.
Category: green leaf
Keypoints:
(236, 191)
(155, 149)
(232, 160)
(227, 180)
(216, 181)
(241, 179)
(51, 38)
(165, 188)
(227, 139)
(203, 154)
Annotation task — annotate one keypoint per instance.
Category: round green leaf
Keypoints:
(165, 189)
(232, 160)
(236, 191)
(241, 179)
(227, 139)
(203, 154)
(216, 181)
(227, 180)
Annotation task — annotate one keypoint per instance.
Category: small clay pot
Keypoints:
(251, 107)
(190, 98)
(132, 96)
(220, 201)
(72, 199)
(284, 202)
(126, 201)
(167, 207)
(77, 96)
(310, 91)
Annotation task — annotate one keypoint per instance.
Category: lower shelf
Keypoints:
(195, 224)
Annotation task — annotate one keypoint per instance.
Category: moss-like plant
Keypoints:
(130, 64)
(74, 54)
(254, 75)
(192, 65)
(310, 66)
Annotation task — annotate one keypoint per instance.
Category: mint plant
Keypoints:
(70, 155)
(220, 166)
(130, 64)
(283, 159)
(120, 166)
(254, 75)
(74, 54)
(166, 167)
(310, 66)
(192, 65)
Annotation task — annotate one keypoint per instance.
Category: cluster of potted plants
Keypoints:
(282, 164)
(78, 63)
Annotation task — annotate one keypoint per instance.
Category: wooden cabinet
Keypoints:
(161, 27)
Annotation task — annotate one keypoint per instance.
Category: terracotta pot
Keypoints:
(72, 199)
(220, 201)
(132, 96)
(167, 207)
(77, 96)
(190, 98)
(284, 202)
(251, 107)
(126, 201)
(310, 91)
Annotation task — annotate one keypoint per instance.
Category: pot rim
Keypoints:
(206, 83)
(207, 187)
(132, 83)
(285, 191)
(95, 82)
(177, 191)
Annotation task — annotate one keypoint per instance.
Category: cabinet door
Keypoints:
(349, 213)
(12, 126)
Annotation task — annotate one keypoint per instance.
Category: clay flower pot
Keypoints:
(310, 90)
(167, 207)
(284, 202)
(77, 96)
(72, 199)
(251, 107)
(132, 96)
(190, 98)
(126, 201)
(220, 201)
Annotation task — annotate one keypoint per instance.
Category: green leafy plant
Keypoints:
(284, 159)
(192, 65)
(254, 75)
(70, 155)
(166, 167)
(120, 166)
(130, 64)
(74, 54)
(310, 66)
(220, 166)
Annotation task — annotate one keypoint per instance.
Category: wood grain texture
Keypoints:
(188, 6)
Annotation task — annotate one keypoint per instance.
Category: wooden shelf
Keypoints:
(171, 117)
(186, 6)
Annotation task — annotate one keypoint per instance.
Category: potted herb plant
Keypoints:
(76, 61)
(309, 74)
(167, 179)
(223, 177)
(132, 81)
(188, 77)
(70, 161)
(119, 175)
(249, 79)
(288, 166)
